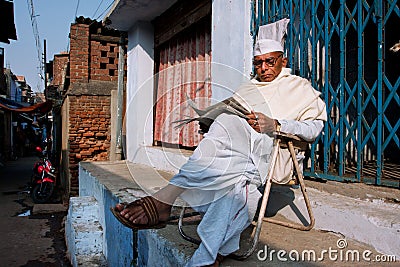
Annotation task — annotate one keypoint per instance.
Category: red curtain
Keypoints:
(184, 71)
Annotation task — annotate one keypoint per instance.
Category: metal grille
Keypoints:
(342, 47)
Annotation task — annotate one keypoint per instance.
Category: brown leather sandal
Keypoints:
(150, 210)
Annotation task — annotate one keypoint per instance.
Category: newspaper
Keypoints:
(207, 116)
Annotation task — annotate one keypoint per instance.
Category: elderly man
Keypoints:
(221, 178)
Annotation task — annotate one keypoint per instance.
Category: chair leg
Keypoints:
(182, 233)
(305, 195)
(261, 214)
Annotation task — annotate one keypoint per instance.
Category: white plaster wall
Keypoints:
(140, 92)
(231, 46)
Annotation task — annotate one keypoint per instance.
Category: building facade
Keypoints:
(341, 47)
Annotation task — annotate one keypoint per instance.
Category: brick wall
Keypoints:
(93, 74)
(93, 55)
(104, 61)
(60, 64)
(89, 132)
(79, 53)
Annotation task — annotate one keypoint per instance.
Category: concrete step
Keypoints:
(92, 261)
(84, 234)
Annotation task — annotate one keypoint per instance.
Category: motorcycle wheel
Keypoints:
(41, 193)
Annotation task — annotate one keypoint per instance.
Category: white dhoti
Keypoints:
(221, 178)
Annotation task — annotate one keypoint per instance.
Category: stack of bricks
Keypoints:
(89, 131)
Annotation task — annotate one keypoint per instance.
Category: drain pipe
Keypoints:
(120, 96)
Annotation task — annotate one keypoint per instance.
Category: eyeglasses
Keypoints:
(271, 61)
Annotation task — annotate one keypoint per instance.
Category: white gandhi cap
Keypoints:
(264, 46)
(271, 37)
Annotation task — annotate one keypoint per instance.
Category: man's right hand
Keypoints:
(261, 123)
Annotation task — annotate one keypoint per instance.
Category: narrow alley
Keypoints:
(31, 234)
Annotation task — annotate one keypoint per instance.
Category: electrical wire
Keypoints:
(97, 8)
(76, 10)
(112, 2)
(33, 16)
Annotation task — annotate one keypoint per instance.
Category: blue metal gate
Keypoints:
(342, 47)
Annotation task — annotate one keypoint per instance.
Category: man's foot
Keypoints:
(147, 212)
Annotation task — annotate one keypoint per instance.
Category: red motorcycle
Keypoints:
(43, 178)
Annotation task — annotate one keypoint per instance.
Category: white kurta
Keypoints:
(222, 175)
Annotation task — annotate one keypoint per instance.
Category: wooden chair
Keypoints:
(286, 141)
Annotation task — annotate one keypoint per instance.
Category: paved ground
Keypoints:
(33, 240)
(282, 246)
